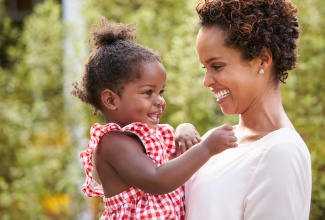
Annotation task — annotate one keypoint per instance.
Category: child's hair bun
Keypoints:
(109, 32)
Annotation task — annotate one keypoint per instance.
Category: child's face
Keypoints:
(142, 100)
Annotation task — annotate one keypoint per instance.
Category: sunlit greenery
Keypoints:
(40, 176)
(36, 149)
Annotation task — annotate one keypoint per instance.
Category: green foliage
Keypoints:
(35, 151)
(305, 96)
(7, 39)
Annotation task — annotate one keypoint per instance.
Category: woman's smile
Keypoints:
(221, 95)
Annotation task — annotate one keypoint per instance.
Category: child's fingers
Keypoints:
(232, 145)
(227, 127)
(233, 139)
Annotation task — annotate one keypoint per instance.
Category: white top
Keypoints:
(267, 180)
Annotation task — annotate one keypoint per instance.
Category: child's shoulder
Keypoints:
(118, 141)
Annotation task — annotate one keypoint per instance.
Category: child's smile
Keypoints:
(142, 100)
(155, 116)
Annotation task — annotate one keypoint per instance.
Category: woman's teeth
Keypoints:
(222, 94)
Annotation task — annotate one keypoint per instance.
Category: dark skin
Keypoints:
(185, 139)
(109, 175)
(121, 160)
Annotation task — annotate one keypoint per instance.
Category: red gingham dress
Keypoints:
(134, 203)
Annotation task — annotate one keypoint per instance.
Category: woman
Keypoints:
(246, 48)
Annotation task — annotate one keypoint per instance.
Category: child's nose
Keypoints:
(159, 100)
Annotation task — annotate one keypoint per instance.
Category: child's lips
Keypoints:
(154, 116)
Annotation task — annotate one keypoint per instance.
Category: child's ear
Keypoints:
(109, 99)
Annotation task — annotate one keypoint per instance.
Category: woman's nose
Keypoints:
(207, 80)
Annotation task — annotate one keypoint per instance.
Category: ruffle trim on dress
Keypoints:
(93, 189)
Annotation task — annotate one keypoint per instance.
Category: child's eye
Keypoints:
(162, 92)
(149, 92)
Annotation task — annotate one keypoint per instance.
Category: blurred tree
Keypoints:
(36, 150)
(8, 36)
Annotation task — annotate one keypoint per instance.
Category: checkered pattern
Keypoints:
(134, 203)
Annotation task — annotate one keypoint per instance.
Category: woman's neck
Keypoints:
(262, 118)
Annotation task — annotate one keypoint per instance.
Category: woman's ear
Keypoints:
(109, 99)
(266, 58)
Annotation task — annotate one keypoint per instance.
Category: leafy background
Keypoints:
(43, 128)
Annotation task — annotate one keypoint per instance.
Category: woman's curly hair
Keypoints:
(115, 61)
(252, 25)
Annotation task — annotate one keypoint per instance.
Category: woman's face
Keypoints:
(236, 84)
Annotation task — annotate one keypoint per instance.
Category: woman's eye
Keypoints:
(216, 67)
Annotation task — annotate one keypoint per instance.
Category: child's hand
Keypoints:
(186, 136)
(219, 139)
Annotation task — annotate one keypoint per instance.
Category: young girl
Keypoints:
(132, 152)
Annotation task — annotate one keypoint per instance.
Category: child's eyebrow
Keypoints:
(150, 85)
(147, 85)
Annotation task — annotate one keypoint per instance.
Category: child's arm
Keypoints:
(125, 154)
(186, 136)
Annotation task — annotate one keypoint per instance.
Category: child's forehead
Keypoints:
(152, 70)
(151, 74)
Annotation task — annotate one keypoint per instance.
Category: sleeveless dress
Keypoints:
(134, 203)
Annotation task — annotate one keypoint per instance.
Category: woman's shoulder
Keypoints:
(285, 137)
(284, 144)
